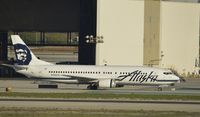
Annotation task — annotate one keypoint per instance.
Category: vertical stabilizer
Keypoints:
(23, 54)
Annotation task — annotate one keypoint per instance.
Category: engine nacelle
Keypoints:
(107, 83)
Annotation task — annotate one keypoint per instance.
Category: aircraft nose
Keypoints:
(177, 76)
(179, 79)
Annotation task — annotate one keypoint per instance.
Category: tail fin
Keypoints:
(23, 54)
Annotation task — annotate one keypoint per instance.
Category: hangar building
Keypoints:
(112, 32)
(153, 33)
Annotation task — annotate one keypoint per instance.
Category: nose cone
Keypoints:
(178, 79)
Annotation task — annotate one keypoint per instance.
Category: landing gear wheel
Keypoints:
(92, 87)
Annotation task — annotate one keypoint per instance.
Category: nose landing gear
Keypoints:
(160, 88)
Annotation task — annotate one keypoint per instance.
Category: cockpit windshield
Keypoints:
(167, 73)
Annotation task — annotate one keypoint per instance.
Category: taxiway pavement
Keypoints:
(99, 105)
(190, 87)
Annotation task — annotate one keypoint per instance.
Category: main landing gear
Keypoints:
(92, 87)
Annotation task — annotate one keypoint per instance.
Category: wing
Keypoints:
(82, 79)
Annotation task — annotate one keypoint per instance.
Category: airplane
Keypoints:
(95, 76)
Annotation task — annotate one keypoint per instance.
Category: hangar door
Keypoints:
(39, 15)
(50, 16)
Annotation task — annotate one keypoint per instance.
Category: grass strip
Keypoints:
(101, 96)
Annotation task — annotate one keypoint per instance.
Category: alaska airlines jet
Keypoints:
(95, 76)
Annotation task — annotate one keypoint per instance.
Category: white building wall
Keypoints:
(179, 35)
(121, 23)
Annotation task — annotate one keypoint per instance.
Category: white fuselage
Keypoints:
(96, 76)
(124, 75)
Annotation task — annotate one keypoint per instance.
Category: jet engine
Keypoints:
(107, 83)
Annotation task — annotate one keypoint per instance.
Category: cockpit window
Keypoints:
(167, 73)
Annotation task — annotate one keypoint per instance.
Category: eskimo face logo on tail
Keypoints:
(23, 54)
